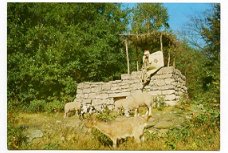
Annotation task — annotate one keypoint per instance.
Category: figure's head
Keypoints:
(146, 53)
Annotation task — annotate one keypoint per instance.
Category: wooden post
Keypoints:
(128, 65)
(137, 53)
(168, 57)
(161, 45)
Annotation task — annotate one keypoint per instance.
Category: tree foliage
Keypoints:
(148, 17)
(53, 45)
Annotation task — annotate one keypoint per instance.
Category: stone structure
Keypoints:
(168, 83)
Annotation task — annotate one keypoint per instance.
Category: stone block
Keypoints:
(106, 86)
(92, 95)
(94, 84)
(114, 88)
(136, 86)
(171, 102)
(170, 97)
(79, 91)
(168, 92)
(86, 85)
(169, 81)
(101, 96)
(155, 93)
(159, 82)
(96, 89)
(86, 101)
(97, 102)
(121, 94)
(79, 96)
(125, 76)
(86, 90)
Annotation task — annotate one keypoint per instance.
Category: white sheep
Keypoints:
(137, 99)
(119, 104)
(71, 106)
(122, 128)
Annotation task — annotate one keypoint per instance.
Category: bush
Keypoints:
(15, 135)
(54, 106)
(106, 115)
(37, 106)
(159, 102)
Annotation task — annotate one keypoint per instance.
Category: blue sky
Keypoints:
(180, 13)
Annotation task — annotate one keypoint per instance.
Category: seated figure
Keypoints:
(151, 64)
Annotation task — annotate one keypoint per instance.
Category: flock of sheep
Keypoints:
(121, 127)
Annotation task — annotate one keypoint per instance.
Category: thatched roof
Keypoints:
(151, 39)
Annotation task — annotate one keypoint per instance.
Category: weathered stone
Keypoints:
(79, 91)
(106, 86)
(171, 102)
(78, 96)
(116, 87)
(166, 70)
(169, 81)
(135, 86)
(92, 95)
(85, 95)
(160, 82)
(168, 92)
(98, 102)
(96, 88)
(170, 97)
(121, 94)
(101, 96)
(85, 85)
(155, 93)
(33, 133)
(86, 101)
(86, 90)
(125, 76)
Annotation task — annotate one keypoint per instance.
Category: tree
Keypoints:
(52, 46)
(207, 29)
(148, 17)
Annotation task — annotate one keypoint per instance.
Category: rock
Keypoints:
(33, 133)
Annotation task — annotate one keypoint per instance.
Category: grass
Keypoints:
(71, 134)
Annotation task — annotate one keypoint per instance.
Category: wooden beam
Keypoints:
(161, 44)
(127, 56)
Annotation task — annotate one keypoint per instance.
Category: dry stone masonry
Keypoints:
(168, 83)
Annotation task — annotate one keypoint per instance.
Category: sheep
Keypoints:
(119, 104)
(122, 128)
(71, 106)
(137, 99)
(87, 109)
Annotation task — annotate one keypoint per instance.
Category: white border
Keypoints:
(3, 68)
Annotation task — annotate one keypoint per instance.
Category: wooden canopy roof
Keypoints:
(153, 38)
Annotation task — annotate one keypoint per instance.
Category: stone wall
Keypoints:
(168, 82)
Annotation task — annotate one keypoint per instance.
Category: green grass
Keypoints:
(71, 134)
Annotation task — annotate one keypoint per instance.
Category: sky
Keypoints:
(180, 13)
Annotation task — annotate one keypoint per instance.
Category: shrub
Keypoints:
(159, 102)
(106, 115)
(37, 106)
(54, 106)
(15, 135)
